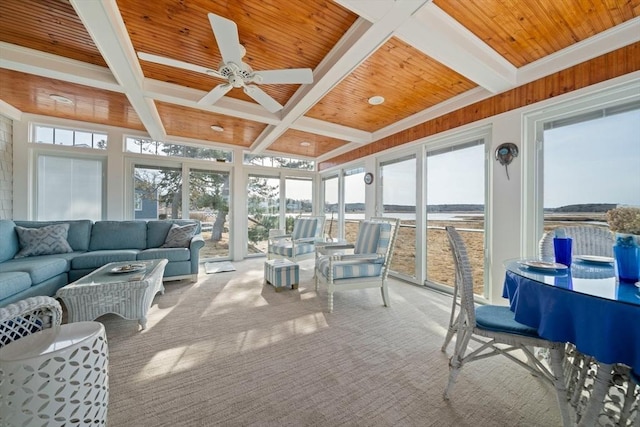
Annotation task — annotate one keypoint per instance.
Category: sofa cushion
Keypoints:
(179, 236)
(110, 235)
(157, 230)
(10, 245)
(172, 254)
(97, 259)
(48, 240)
(78, 235)
(13, 282)
(39, 268)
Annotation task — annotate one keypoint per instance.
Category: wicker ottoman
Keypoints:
(281, 273)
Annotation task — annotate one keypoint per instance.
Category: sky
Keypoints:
(593, 162)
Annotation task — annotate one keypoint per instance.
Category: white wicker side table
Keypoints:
(128, 294)
(56, 377)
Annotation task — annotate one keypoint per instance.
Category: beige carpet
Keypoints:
(230, 351)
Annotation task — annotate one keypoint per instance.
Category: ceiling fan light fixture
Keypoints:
(61, 99)
(376, 100)
(217, 128)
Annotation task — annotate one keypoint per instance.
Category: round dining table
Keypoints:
(585, 305)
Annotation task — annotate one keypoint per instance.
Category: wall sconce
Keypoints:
(505, 153)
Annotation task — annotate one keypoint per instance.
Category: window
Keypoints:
(68, 188)
(137, 201)
(69, 137)
(455, 196)
(263, 205)
(209, 202)
(156, 148)
(589, 165)
(398, 179)
(278, 162)
(298, 196)
(160, 191)
(354, 189)
(330, 205)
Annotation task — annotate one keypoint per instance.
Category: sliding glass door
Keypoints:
(263, 207)
(398, 178)
(455, 196)
(209, 202)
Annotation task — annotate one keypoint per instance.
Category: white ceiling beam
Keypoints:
(104, 24)
(444, 39)
(607, 41)
(332, 130)
(30, 61)
(362, 39)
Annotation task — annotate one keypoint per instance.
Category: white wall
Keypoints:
(6, 168)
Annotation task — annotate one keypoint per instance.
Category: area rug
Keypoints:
(218, 267)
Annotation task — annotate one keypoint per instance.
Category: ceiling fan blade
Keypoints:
(215, 94)
(178, 64)
(293, 75)
(226, 32)
(262, 98)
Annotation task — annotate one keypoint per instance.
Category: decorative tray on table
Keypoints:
(128, 268)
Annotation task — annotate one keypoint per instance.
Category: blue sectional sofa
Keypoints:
(94, 244)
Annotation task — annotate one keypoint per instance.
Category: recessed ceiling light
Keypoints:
(61, 99)
(305, 144)
(217, 128)
(376, 100)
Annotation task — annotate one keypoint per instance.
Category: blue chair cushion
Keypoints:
(172, 254)
(350, 269)
(96, 259)
(285, 249)
(501, 319)
(13, 282)
(38, 268)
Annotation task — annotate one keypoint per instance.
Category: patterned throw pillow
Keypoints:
(179, 237)
(48, 240)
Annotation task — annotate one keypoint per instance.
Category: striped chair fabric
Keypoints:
(373, 238)
(304, 228)
(285, 249)
(350, 268)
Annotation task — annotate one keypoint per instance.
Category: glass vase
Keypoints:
(626, 252)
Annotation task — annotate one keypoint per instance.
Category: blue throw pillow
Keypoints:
(180, 237)
(48, 240)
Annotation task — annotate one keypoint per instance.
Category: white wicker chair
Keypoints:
(496, 332)
(587, 240)
(28, 316)
(367, 267)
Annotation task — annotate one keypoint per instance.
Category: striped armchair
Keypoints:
(300, 243)
(367, 267)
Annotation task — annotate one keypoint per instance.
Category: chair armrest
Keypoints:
(361, 257)
(274, 239)
(305, 240)
(197, 242)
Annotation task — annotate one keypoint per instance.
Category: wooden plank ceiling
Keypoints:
(356, 50)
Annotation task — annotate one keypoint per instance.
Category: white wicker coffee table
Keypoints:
(115, 289)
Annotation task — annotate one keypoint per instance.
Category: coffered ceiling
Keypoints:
(425, 58)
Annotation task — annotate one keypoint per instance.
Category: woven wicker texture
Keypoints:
(28, 316)
(587, 240)
(463, 325)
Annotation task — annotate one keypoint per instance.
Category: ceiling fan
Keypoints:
(237, 73)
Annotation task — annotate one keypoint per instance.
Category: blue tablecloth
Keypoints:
(605, 328)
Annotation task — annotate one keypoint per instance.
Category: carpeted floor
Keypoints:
(230, 351)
